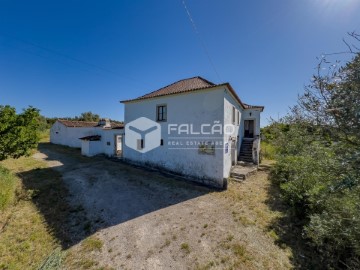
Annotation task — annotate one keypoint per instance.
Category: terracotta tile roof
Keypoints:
(189, 85)
(185, 85)
(71, 123)
(117, 125)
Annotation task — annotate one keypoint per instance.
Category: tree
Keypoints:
(318, 162)
(89, 116)
(18, 132)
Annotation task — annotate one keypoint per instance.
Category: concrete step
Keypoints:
(246, 159)
(245, 154)
(241, 172)
(237, 176)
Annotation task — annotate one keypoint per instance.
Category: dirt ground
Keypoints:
(133, 218)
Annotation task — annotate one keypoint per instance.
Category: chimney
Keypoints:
(105, 123)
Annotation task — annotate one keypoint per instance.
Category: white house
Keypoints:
(93, 138)
(205, 130)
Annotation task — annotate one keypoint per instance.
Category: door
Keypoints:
(118, 145)
(249, 126)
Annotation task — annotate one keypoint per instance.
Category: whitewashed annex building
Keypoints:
(204, 128)
(93, 138)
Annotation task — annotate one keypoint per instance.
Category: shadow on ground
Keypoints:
(78, 195)
(288, 229)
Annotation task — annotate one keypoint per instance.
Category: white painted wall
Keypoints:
(108, 140)
(229, 103)
(91, 148)
(69, 136)
(255, 115)
(195, 108)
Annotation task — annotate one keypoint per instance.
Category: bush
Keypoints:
(320, 185)
(8, 183)
(268, 150)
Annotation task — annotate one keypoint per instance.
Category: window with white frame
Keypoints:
(161, 112)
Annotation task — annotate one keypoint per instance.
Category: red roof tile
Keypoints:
(189, 85)
(71, 123)
(185, 85)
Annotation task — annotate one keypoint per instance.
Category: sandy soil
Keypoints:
(147, 220)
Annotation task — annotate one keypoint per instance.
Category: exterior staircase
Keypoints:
(245, 166)
(246, 150)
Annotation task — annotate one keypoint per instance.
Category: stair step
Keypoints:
(246, 159)
(242, 170)
(238, 176)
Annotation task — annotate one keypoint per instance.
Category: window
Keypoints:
(233, 115)
(238, 118)
(161, 142)
(140, 144)
(161, 113)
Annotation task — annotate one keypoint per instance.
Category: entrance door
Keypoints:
(249, 128)
(118, 145)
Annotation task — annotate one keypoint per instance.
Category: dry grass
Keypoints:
(8, 186)
(29, 236)
(26, 239)
(185, 248)
(92, 244)
(243, 241)
(83, 259)
(250, 207)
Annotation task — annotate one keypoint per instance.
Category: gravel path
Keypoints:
(145, 220)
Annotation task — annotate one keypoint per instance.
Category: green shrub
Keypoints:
(8, 183)
(321, 187)
(268, 150)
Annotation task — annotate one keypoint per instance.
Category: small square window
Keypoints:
(161, 142)
(161, 113)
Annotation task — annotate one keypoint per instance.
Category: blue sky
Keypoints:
(67, 57)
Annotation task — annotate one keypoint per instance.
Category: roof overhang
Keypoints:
(227, 85)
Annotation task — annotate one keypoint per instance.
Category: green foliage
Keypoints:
(318, 164)
(18, 132)
(8, 183)
(272, 131)
(268, 150)
(43, 124)
(269, 135)
(89, 116)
